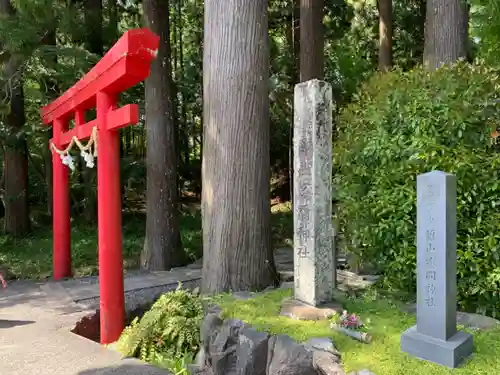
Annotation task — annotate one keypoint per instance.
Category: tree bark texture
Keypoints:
(52, 93)
(293, 36)
(94, 43)
(15, 169)
(17, 219)
(385, 35)
(311, 40)
(113, 21)
(162, 246)
(237, 252)
(93, 26)
(446, 32)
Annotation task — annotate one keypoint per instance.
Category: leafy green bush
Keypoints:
(485, 29)
(169, 331)
(404, 124)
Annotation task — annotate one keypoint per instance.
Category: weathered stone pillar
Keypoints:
(314, 260)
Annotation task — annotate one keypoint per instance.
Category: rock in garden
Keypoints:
(195, 370)
(224, 362)
(243, 295)
(201, 358)
(326, 363)
(211, 308)
(227, 335)
(208, 332)
(223, 348)
(322, 344)
(286, 357)
(251, 352)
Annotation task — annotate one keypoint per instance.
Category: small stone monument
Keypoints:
(314, 261)
(435, 337)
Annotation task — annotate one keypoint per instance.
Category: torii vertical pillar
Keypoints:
(109, 216)
(61, 260)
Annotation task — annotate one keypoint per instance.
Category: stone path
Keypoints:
(36, 319)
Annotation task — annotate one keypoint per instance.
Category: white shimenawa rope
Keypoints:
(85, 150)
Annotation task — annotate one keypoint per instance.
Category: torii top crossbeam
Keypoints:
(126, 64)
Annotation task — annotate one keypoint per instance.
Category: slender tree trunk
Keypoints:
(311, 39)
(237, 252)
(199, 38)
(162, 246)
(93, 26)
(53, 93)
(446, 32)
(296, 40)
(182, 112)
(385, 35)
(175, 94)
(294, 46)
(94, 43)
(113, 20)
(128, 139)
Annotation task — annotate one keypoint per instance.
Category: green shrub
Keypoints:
(404, 124)
(168, 331)
(485, 28)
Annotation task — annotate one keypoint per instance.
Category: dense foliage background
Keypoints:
(403, 124)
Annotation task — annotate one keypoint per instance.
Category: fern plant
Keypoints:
(170, 327)
(176, 365)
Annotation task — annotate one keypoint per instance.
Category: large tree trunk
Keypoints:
(385, 35)
(446, 32)
(311, 39)
(17, 221)
(237, 252)
(162, 247)
(15, 170)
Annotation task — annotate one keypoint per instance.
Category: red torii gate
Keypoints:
(126, 64)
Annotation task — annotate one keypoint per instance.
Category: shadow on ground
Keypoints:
(21, 292)
(5, 323)
(127, 369)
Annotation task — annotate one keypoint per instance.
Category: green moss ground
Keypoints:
(385, 323)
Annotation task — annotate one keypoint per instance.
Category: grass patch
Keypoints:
(385, 321)
(31, 257)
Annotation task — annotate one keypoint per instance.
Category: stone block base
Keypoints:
(448, 353)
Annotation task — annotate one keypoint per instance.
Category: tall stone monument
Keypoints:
(314, 261)
(435, 337)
